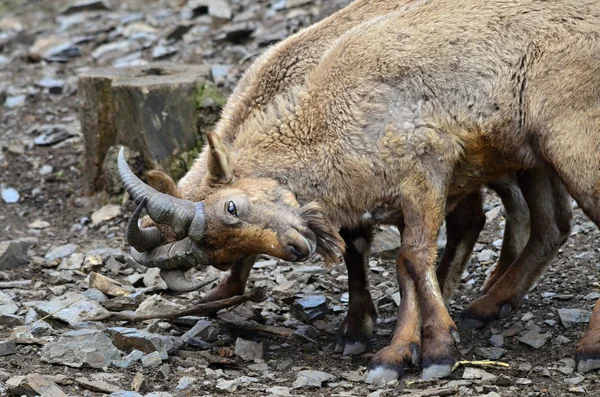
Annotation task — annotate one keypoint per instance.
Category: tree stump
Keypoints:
(151, 109)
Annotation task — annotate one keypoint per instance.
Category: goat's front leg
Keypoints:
(404, 349)
(357, 327)
(422, 314)
(234, 283)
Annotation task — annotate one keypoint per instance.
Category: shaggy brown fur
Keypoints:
(410, 108)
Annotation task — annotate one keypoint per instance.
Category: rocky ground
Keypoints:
(63, 260)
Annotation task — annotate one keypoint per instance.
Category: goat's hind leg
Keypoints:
(517, 225)
(463, 226)
(356, 329)
(550, 212)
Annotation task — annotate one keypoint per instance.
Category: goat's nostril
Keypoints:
(296, 252)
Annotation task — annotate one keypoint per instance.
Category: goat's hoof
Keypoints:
(505, 310)
(390, 361)
(433, 369)
(348, 348)
(466, 323)
(355, 331)
(587, 361)
(388, 372)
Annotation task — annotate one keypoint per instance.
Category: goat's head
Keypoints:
(237, 217)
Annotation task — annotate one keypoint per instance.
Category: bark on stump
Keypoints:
(151, 109)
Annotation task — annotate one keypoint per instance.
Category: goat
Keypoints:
(422, 111)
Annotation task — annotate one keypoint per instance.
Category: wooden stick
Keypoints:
(256, 327)
(202, 309)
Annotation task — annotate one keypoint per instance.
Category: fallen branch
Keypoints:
(256, 327)
(210, 358)
(15, 284)
(202, 309)
(482, 363)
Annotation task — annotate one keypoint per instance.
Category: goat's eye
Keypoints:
(231, 208)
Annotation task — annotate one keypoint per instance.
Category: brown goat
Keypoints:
(411, 112)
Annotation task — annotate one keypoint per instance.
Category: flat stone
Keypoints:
(40, 328)
(96, 385)
(185, 383)
(534, 338)
(95, 295)
(280, 391)
(156, 304)
(486, 255)
(108, 286)
(139, 382)
(129, 339)
(7, 306)
(476, 373)
(151, 360)
(85, 347)
(86, 5)
(152, 278)
(123, 393)
(34, 385)
(38, 224)
(129, 360)
(248, 350)
(72, 308)
(497, 340)
(73, 262)
(14, 102)
(232, 385)
(386, 243)
(53, 134)
(7, 348)
(203, 330)
(310, 308)
(60, 251)
(570, 317)
(122, 303)
(491, 353)
(106, 213)
(54, 86)
(312, 379)
(11, 320)
(13, 253)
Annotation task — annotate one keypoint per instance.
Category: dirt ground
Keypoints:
(57, 197)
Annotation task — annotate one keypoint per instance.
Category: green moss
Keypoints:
(182, 163)
(209, 103)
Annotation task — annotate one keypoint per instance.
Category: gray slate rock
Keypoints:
(85, 347)
(248, 350)
(310, 308)
(7, 348)
(7, 306)
(72, 308)
(129, 339)
(60, 251)
(203, 330)
(129, 360)
(570, 317)
(11, 320)
(312, 379)
(13, 253)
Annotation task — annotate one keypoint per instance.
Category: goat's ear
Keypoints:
(219, 162)
(162, 182)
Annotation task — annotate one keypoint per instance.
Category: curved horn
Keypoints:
(180, 254)
(176, 281)
(142, 239)
(162, 208)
